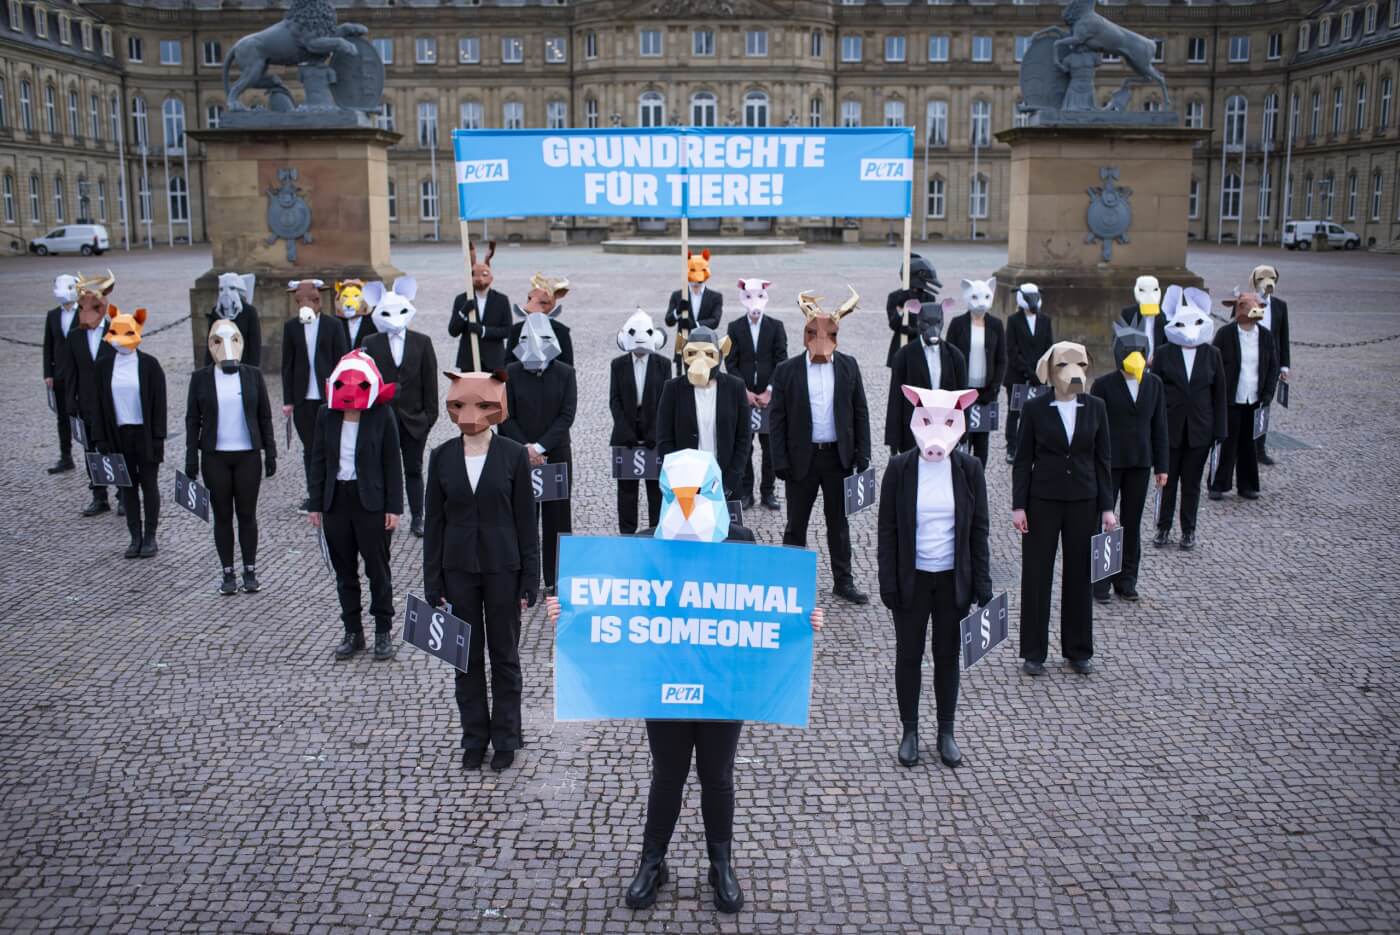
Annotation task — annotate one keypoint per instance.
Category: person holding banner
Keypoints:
(706, 409)
(701, 307)
(757, 345)
(1251, 376)
(934, 558)
(982, 340)
(84, 346)
(481, 556)
(923, 288)
(57, 324)
(636, 380)
(484, 313)
(928, 363)
(310, 353)
(1029, 334)
(228, 418)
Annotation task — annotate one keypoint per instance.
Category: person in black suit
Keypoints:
(922, 363)
(707, 410)
(820, 427)
(1194, 377)
(353, 311)
(1251, 376)
(923, 286)
(57, 363)
(1061, 490)
(312, 345)
(541, 401)
(406, 359)
(543, 297)
(1136, 402)
(132, 422)
(355, 482)
(636, 380)
(757, 345)
(485, 314)
(1264, 280)
(229, 419)
(1145, 314)
(982, 340)
(1029, 334)
(934, 558)
(481, 555)
(235, 303)
(84, 346)
(681, 311)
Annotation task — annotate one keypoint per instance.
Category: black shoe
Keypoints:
(121, 507)
(948, 750)
(502, 759)
(651, 876)
(1081, 666)
(416, 526)
(770, 500)
(134, 549)
(383, 646)
(148, 545)
(251, 584)
(746, 503)
(64, 464)
(909, 744)
(1128, 591)
(1188, 541)
(1249, 494)
(229, 586)
(351, 644)
(1263, 457)
(1216, 495)
(1163, 538)
(1103, 597)
(1033, 668)
(98, 505)
(305, 507)
(728, 897)
(472, 757)
(850, 593)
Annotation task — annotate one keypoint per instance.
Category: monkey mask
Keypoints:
(1263, 280)
(1129, 350)
(697, 268)
(481, 270)
(124, 331)
(306, 293)
(1065, 367)
(544, 295)
(692, 498)
(702, 354)
(978, 293)
(1028, 298)
(350, 298)
(1188, 316)
(392, 310)
(1148, 293)
(819, 334)
(640, 336)
(938, 422)
(92, 299)
(476, 401)
(65, 289)
(1247, 308)
(356, 383)
(753, 295)
(226, 345)
(235, 294)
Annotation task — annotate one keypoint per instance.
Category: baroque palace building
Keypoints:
(1300, 95)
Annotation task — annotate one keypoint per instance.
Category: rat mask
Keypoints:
(350, 298)
(753, 295)
(1065, 367)
(697, 268)
(1247, 308)
(819, 334)
(1028, 298)
(226, 345)
(977, 293)
(1263, 280)
(476, 401)
(692, 498)
(235, 294)
(392, 310)
(938, 422)
(537, 345)
(306, 293)
(640, 335)
(124, 331)
(1148, 293)
(702, 354)
(922, 276)
(65, 289)
(481, 271)
(1188, 316)
(92, 299)
(356, 383)
(1129, 350)
(930, 320)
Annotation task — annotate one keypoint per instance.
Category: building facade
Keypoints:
(1300, 95)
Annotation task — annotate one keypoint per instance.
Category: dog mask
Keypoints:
(819, 334)
(65, 289)
(226, 345)
(1247, 308)
(692, 498)
(306, 293)
(1263, 280)
(702, 354)
(1148, 293)
(1065, 367)
(639, 335)
(356, 383)
(922, 276)
(938, 422)
(537, 345)
(350, 298)
(392, 310)
(481, 271)
(978, 293)
(476, 401)
(92, 299)
(753, 295)
(124, 331)
(697, 268)
(1188, 316)
(1028, 298)
(235, 294)
(1129, 350)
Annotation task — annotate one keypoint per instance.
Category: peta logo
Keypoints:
(483, 170)
(887, 170)
(682, 694)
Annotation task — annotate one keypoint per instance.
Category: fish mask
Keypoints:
(65, 289)
(350, 298)
(1148, 293)
(1263, 279)
(392, 310)
(938, 422)
(1188, 316)
(639, 335)
(92, 299)
(978, 293)
(819, 333)
(1065, 367)
(1247, 308)
(692, 498)
(697, 268)
(235, 294)
(537, 345)
(1129, 350)
(226, 345)
(476, 401)
(702, 354)
(481, 271)
(753, 295)
(124, 331)
(1028, 298)
(306, 293)
(356, 383)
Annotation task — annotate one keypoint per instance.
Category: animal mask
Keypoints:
(481, 271)
(702, 354)
(65, 289)
(537, 345)
(819, 334)
(1247, 308)
(697, 267)
(1129, 350)
(938, 421)
(350, 298)
(1065, 367)
(978, 293)
(356, 383)
(124, 331)
(1028, 298)
(392, 310)
(92, 299)
(692, 498)
(544, 295)
(1188, 316)
(306, 293)
(922, 276)
(1263, 280)
(476, 401)
(226, 345)
(930, 320)
(1148, 293)
(753, 295)
(235, 294)
(640, 335)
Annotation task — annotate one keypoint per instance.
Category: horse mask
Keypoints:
(92, 299)
(235, 294)
(1028, 298)
(537, 345)
(1129, 350)
(1263, 279)
(349, 298)
(1188, 316)
(1247, 308)
(978, 293)
(356, 383)
(476, 401)
(702, 354)
(306, 293)
(481, 271)
(753, 295)
(226, 345)
(697, 268)
(124, 331)
(392, 310)
(1065, 367)
(692, 498)
(65, 289)
(1148, 293)
(938, 422)
(819, 334)
(640, 336)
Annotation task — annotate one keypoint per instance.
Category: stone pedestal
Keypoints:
(340, 175)
(1053, 170)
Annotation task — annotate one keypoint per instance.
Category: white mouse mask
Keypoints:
(1188, 316)
(1148, 293)
(65, 289)
(753, 295)
(393, 310)
(639, 334)
(978, 293)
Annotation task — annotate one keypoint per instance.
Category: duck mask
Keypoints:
(819, 334)
(922, 276)
(65, 289)
(938, 422)
(481, 271)
(306, 293)
(702, 354)
(537, 345)
(1263, 280)
(356, 383)
(92, 299)
(544, 295)
(697, 268)
(235, 294)
(1188, 316)
(476, 401)
(1247, 308)
(640, 336)
(692, 498)
(1129, 350)
(1148, 293)
(124, 331)
(1028, 298)
(930, 320)
(753, 295)
(350, 298)
(1065, 367)
(226, 345)
(978, 293)
(392, 310)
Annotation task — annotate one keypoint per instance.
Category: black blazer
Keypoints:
(1227, 341)
(332, 343)
(250, 327)
(897, 532)
(561, 335)
(202, 413)
(1049, 466)
(1023, 349)
(153, 406)
(910, 368)
(416, 400)
(634, 422)
(1132, 317)
(1137, 429)
(960, 336)
(755, 366)
(1278, 324)
(1195, 407)
(711, 309)
(367, 329)
(495, 328)
(677, 428)
(490, 530)
(790, 418)
(56, 361)
(894, 312)
(82, 373)
(378, 470)
(541, 406)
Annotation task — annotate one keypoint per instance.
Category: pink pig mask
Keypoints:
(938, 423)
(753, 294)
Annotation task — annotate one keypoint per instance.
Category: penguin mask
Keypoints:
(1129, 350)
(1028, 298)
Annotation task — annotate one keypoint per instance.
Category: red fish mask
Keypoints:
(356, 383)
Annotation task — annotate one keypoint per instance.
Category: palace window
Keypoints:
(938, 123)
(385, 48)
(425, 50)
(651, 110)
(1193, 200)
(1236, 117)
(756, 43)
(938, 48)
(556, 115)
(755, 109)
(1239, 48)
(894, 48)
(1196, 50)
(704, 109)
(1360, 120)
(814, 111)
(170, 52)
(179, 199)
(977, 197)
(556, 50)
(468, 50)
(213, 52)
(1275, 46)
(512, 50)
(173, 124)
(981, 123)
(702, 43)
(937, 201)
(1230, 194)
(470, 115)
(850, 48)
(590, 45)
(513, 115)
(649, 43)
(981, 48)
(590, 113)
(850, 113)
(428, 200)
(894, 113)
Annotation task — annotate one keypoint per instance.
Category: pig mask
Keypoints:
(819, 334)
(1129, 350)
(640, 336)
(1188, 316)
(1247, 308)
(226, 345)
(702, 354)
(938, 422)
(392, 310)
(1148, 293)
(92, 299)
(1065, 367)
(306, 293)
(356, 383)
(235, 294)
(537, 345)
(65, 289)
(476, 401)
(753, 295)
(978, 293)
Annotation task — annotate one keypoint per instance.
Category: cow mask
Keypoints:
(1065, 367)
(1129, 350)
(702, 354)
(1263, 280)
(1247, 308)
(640, 336)
(392, 310)
(65, 289)
(1028, 298)
(819, 334)
(356, 383)
(1148, 293)
(124, 331)
(753, 295)
(697, 268)
(306, 293)
(537, 345)
(481, 271)
(92, 299)
(1188, 316)
(226, 345)
(978, 293)
(235, 294)
(350, 298)
(476, 401)
(692, 498)
(938, 422)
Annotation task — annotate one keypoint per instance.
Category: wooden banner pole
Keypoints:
(474, 315)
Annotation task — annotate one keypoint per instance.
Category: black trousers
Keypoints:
(977, 444)
(556, 519)
(1013, 425)
(767, 479)
(99, 491)
(824, 476)
(234, 479)
(65, 428)
(1239, 456)
(1070, 523)
(354, 533)
(1130, 486)
(304, 418)
(935, 598)
(411, 449)
(627, 505)
(491, 604)
(714, 743)
(145, 482)
(1184, 471)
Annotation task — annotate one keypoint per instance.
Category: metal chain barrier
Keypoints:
(144, 335)
(1391, 337)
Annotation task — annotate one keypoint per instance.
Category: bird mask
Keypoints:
(350, 298)
(1263, 280)
(1129, 350)
(1028, 298)
(481, 270)
(65, 289)
(356, 383)
(124, 331)
(1247, 308)
(306, 293)
(938, 422)
(476, 401)
(1148, 293)
(978, 293)
(537, 345)
(819, 334)
(392, 310)
(92, 299)
(640, 336)
(702, 354)
(697, 268)
(235, 294)
(1188, 316)
(226, 345)
(1065, 367)
(753, 295)
(922, 277)
(692, 498)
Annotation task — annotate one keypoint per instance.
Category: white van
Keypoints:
(87, 239)
(1298, 235)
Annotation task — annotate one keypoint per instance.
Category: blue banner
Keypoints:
(697, 172)
(650, 628)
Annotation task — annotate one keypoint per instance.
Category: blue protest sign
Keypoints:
(685, 172)
(650, 628)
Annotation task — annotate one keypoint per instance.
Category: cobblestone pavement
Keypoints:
(177, 760)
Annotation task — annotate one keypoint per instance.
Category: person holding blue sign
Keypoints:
(637, 378)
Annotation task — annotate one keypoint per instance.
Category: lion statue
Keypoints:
(308, 33)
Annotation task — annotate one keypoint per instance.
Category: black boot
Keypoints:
(353, 643)
(65, 463)
(121, 506)
(472, 757)
(651, 876)
(229, 586)
(383, 646)
(416, 526)
(1163, 537)
(98, 505)
(948, 750)
(909, 744)
(148, 544)
(134, 549)
(250, 580)
(728, 896)
(502, 759)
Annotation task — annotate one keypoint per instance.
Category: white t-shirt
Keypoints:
(1067, 415)
(65, 318)
(934, 545)
(126, 388)
(313, 389)
(1132, 387)
(639, 376)
(94, 339)
(349, 434)
(475, 463)
(396, 343)
(1030, 322)
(935, 365)
(1188, 357)
(1247, 391)
(977, 356)
(232, 432)
(821, 396)
(705, 416)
